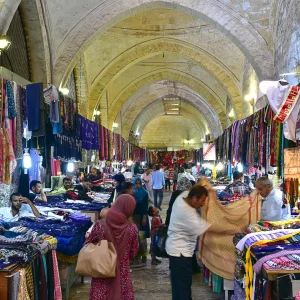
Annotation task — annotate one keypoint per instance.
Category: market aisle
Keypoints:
(153, 282)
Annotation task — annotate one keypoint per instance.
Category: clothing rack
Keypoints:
(7, 74)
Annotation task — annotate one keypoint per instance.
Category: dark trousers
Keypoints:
(160, 195)
(181, 277)
(167, 183)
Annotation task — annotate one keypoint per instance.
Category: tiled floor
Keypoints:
(152, 282)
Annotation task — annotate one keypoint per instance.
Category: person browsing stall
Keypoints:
(36, 192)
(158, 182)
(273, 208)
(185, 227)
(17, 210)
(238, 186)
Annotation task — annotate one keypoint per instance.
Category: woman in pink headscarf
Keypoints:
(118, 228)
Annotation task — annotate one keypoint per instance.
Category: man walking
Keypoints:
(158, 183)
(185, 227)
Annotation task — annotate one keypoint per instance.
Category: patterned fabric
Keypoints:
(10, 100)
(217, 251)
(29, 281)
(238, 187)
(57, 287)
(15, 283)
(100, 288)
(156, 221)
(23, 293)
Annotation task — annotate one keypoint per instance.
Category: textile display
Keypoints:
(87, 132)
(216, 244)
(33, 95)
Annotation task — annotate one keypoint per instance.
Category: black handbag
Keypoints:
(159, 246)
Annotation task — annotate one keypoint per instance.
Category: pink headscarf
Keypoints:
(116, 230)
(116, 222)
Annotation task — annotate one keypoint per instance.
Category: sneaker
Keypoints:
(144, 259)
(158, 261)
(154, 263)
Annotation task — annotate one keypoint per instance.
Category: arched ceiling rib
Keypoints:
(99, 17)
(172, 75)
(151, 48)
(157, 108)
(150, 93)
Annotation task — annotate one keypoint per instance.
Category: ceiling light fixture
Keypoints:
(4, 42)
(65, 91)
(170, 109)
(172, 113)
(115, 125)
(249, 98)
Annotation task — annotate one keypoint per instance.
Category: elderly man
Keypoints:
(273, 208)
(17, 210)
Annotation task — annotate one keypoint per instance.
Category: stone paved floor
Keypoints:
(152, 282)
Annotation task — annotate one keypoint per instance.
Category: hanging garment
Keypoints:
(57, 287)
(216, 244)
(33, 95)
(279, 96)
(23, 293)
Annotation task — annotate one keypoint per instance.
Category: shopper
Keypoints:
(158, 183)
(117, 228)
(167, 179)
(19, 207)
(36, 192)
(118, 179)
(238, 186)
(184, 229)
(273, 207)
(181, 173)
(147, 181)
(156, 223)
(127, 188)
(175, 178)
(183, 185)
(140, 218)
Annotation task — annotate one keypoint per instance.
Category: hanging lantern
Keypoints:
(26, 159)
(70, 167)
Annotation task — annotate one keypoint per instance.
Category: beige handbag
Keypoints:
(97, 260)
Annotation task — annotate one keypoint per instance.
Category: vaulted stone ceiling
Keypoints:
(128, 55)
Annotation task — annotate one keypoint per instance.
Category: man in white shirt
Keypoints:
(272, 206)
(185, 227)
(146, 179)
(17, 210)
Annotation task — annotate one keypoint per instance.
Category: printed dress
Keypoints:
(156, 220)
(100, 288)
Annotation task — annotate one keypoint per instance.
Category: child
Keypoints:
(156, 223)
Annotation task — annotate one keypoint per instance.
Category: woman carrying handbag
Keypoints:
(119, 229)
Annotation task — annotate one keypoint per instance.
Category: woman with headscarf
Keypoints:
(118, 179)
(117, 228)
(140, 218)
(183, 185)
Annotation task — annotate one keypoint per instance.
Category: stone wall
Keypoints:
(287, 38)
(250, 88)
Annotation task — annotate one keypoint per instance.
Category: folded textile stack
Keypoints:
(265, 248)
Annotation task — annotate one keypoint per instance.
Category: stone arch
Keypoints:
(156, 109)
(150, 48)
(156, 76)
(237, 28)
(8, 9)
(134, 106)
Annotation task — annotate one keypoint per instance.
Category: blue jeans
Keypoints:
(160, 195)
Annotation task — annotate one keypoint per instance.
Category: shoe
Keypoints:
(154, 263)
(158, 261)
(144, 259)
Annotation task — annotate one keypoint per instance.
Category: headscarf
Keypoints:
(116, 230)
(184, 184)
(119, 178)
(139, 194)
